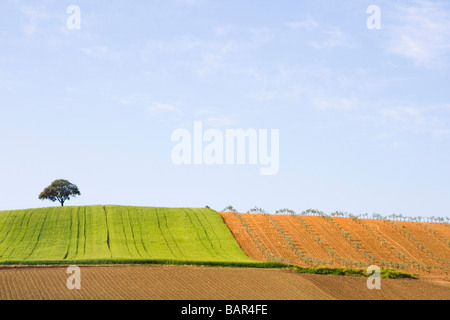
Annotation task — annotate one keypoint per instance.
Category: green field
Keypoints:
(118, 234)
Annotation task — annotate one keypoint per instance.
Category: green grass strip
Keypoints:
(385, 273)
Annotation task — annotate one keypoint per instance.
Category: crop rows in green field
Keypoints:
(115, 234)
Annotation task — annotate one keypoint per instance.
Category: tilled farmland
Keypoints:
(201, 283)
(420, 248)
(163, 254)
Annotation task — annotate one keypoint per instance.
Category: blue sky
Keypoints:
(363, 114)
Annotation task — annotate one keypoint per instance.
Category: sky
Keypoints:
(363, 114)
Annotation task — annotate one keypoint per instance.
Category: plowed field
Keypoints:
(420, 248)
(201, 283)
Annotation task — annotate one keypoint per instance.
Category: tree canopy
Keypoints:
(60, 190)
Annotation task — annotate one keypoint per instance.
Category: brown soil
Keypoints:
(370, 240)
(243, 237)
(420, 248)
(201, 283)
(333, 239)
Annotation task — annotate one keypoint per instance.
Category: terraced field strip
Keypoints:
(314, 240)
(371, 242)
(313, 252)
(269, 236)
(403, 243)
(439, 230)
(425, 240)
(263, 249)
(443, 229)
(244, 239)
(103, 234)
(333, 239)
(356, 244)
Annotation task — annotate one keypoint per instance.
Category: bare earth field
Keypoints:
(159, 282)
(419, 248)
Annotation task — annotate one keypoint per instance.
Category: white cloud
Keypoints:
(125, 101)
(220, 121)
(415, 118)
(263, 95)
(101, 52)
(382, 136)
(421, 32)
(329, 36)
(185, 46)
(333, 37)
(335, 104)
(199, 55)
(431, 119)
(308, 24)
(213, 117)
(9, 84)
(260, 35)
(401, 113)
(223, 30)
(190, 2)
(163, 107)
(33, 15)
(151, 106)
(440, 132)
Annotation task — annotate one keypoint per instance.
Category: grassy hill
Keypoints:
(118, 234)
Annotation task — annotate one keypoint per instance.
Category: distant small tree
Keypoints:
(285, 211)
(230, 209)
(60, 190)
(257, 210)
(313, 212)
(337, 214)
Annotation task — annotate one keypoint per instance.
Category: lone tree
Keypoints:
(60, 190)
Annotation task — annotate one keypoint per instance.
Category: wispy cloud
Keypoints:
(411, 117)
(403, 114)
(200, 55)
(190, 2)
(223, 30)
(223, 121)
(260, 35)
(213, 117)
(420, 32)
(343, 104)
(156, 108)
(327, 36)
(34, 15)
(150, 105)
(6, 81)
(263, 95)
(432, 119)
(382, 136)
(101, 52)
(331, 38)
(308, 24)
